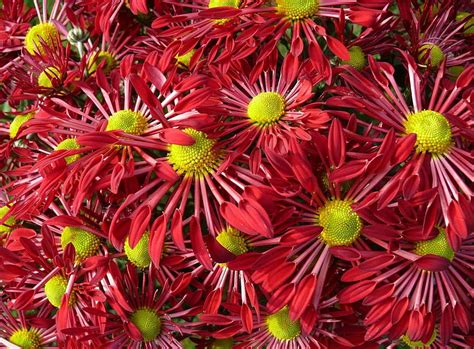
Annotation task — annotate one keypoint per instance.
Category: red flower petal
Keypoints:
(303, 296)
(432, 263)
(357, 291)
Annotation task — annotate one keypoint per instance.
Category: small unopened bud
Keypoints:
(77, 35)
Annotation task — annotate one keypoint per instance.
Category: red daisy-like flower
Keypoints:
(435, 126)
(79, 150)
(270, 111)
(57, 284)
(433, 39)
(26, 330)
(303, 19)
(335, 216)
(143, 317)
(276, 329)
(423, 283)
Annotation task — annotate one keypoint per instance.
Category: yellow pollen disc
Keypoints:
(41, 36)
(298, 9)
(128, 121)
(439, 246)
(96, 58)
(198, 159)
(49, 77)
(357, 59)
(86, 244)
(233, 241)
(18, 122)
(26, 338)
(266, 108)
(281, 327)
(419, 344)
(55, 288)
(430, 53)
(6, 227)
(341, 225)
(69, 144)
(225, 343)
(223, 3)
(139, 256)
(185, 60)
(148, 323)
(432, 129)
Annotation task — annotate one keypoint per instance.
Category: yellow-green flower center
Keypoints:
(432, 129)
(26, 338)
(96, 58)
(438, 246)
(357, 58)
(49, 77)
(148, 323)
(128, 121)
(225, 343)
(198, 159)
(139, 255)
(233, 241)
(266, 108)
(281, 327)
(185, 59)
(40, 35)
(9, 223)
(69, 144)
(86, 244)
(298, 9)
(55, 288)
(17, 122)
(419, 344)
(341, 225)
(223, 3)
(430, 53)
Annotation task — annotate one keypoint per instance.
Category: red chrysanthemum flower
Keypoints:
(433, 39)
(276, 329)
(335, 216)
(26, 329)
(56, 285)
(436, 126)
(142, 317)
(271, 113)
(418, 288)
(303, 20)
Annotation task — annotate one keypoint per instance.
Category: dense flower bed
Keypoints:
(236, 174)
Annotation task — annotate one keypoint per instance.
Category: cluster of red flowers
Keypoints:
(236, 174)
